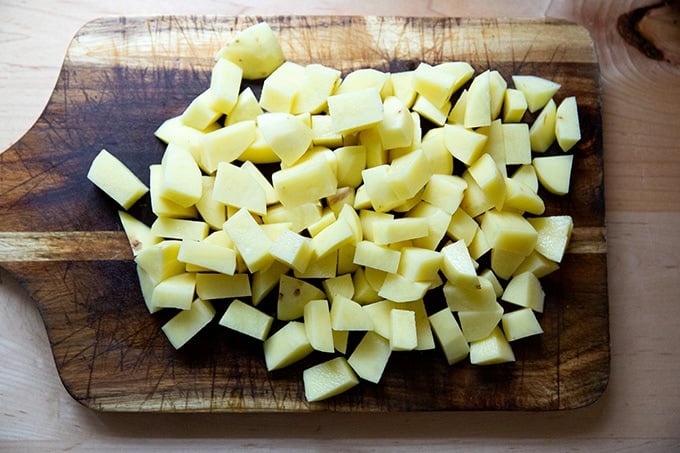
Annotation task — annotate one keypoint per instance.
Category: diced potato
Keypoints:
(554, 172)
(331, 238)
(477, 325)
(462, 227)
(517, 143)
(247, 108)
(181, 177)
(286, 346)
(248, 320)
(491, 277)
(147, 285)
(402, 87)
(478, 102)
(526, 175)
(280, 89)
(318, 82)
(328, 379)
(514, 106)
(317, 320)
(462, 71)
(495, 144)
(212, 211)
(170, 228)
(340, 339)
(520, 197)
(209, 256)
(497, 86)
(438, 224)
(250, 194)
(305, 182)
(347, 314)
(403, 330)
(427, 109)
(341, 285)
(187, 323)
(288, 136)
(491, 350)
(160, 261)
(370, 254)
(554, 233)
(249, 239)
(419, 264)
(163, 207)
(300, 217)
(226, 144)
(479, 245)
(380, 193)
(525, 290)
(396, 127)
(449, 336)
(199, 113)
(364, 293)
(470, 298)
(464, 144)
(324, 267)
(439, 157)
(138, 233)
(256, 50)
(175, 292)
(505, 263)
(260, 151)
(401, 289)
(520, 323)
(509, 231)
(294, 294)
(457, 113)
(365, 78)
(434, 83)
(542, 131)
(351, 161)
(567, 127)
(225, 84)
(537, 90)
(408, 174)
(221, 286)
(388, 231)
(293, 250)
(458, 266)
(115, 179)
(474, 201)
(488, 177)
(537, 264)
(265, 280)
(347, 118)
(370, 357)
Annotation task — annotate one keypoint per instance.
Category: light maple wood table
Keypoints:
(640, 410)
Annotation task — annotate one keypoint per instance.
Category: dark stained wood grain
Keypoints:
(121, 78)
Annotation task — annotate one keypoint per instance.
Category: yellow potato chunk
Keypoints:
(396, 128)
(187, 323)
(199, 114)
(345, 116)
(517, 143)
(457, 265)
(520, 323)
(115, 179)
(464, 144)
(478, 102)
(542, 131)
(554, 172)
(509, 231)
(477, 325)
(208, 256)
(403, 330)
(292, 249)
(138, 233)
(376, 256)
(221, 286)
(181, 177)
(537, 90)
(488, 177)
(328, 379)
(491, 350)
(256, 50)
(160, 261)
(370, 357)
(449, 336)
(226, 144)
(554, 233)
(520, 197)
(567, 128)
(247, 108)
(251, 242)
(397, 288)
(427, 109)
(225, 84)
(318, 82)
(347, 314)
(248, 320)
(170, 228)
(317, 320)
(514, 106)
(294, 294)
(286, 346)
(525, 290)
(305, 182)
(470, 298)
(175, 292)
(288, 136)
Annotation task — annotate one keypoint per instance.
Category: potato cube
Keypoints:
(376, 256)
(438, 222)
(458, 266)
(208, 256)
(491, 277)
(225, 83)
(439, 157)
(247, 108)
(554, 233)
(187, 323)
(419, 264)
(433, 83)
(226, 144)
(520, 197)
(525, 290)
(347, 119)
(293, 250)
(370, 357)
(427, 109)
(402, 87)
(479, 245)
(331, 238)
(554, 172)
(509, 231)
(251, 242)
(288, 136)
(212, 211)
(388, 231)
(293, 296)
(347, 314)
(537, 264)
(491, 350)
(462, 227)
(256, 50)
(340, 285)
(163, 207)
(497, 87)
(457, 113)
(537, 90)
(365, 78)
(317, 320)
(567, 128)
(351, 161)
(526, 175)
(181, 177)
(160, 261)
(221, 286)
(308, 181)
(396, 127)
(259, 151)
(488, 177)
(470, 298)
(408, 174)
(478, 102)
(464, 144)
(517, 143)
(175, 292)
(403, 330)
(520, 323)
(238, 188)
(138, 233)
(328, 379)
(514, 105)
(449, 336)
(115, 179)
(280, 89)
(323, 133)
(318, 82)
(286, 346)
(380, 193)
(248, 320)
(265, 280)
(179, 228)
(364, 293)
(319, 268)
(542, 131)
(474, 201)
(477, 325)
(199, 114)
(495, 144)
(505, 263)
(401, 289)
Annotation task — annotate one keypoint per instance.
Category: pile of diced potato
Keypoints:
(363, 216)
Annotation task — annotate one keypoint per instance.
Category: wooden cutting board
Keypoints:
(61, 238)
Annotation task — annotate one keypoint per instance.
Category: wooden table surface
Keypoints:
(640, 410)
